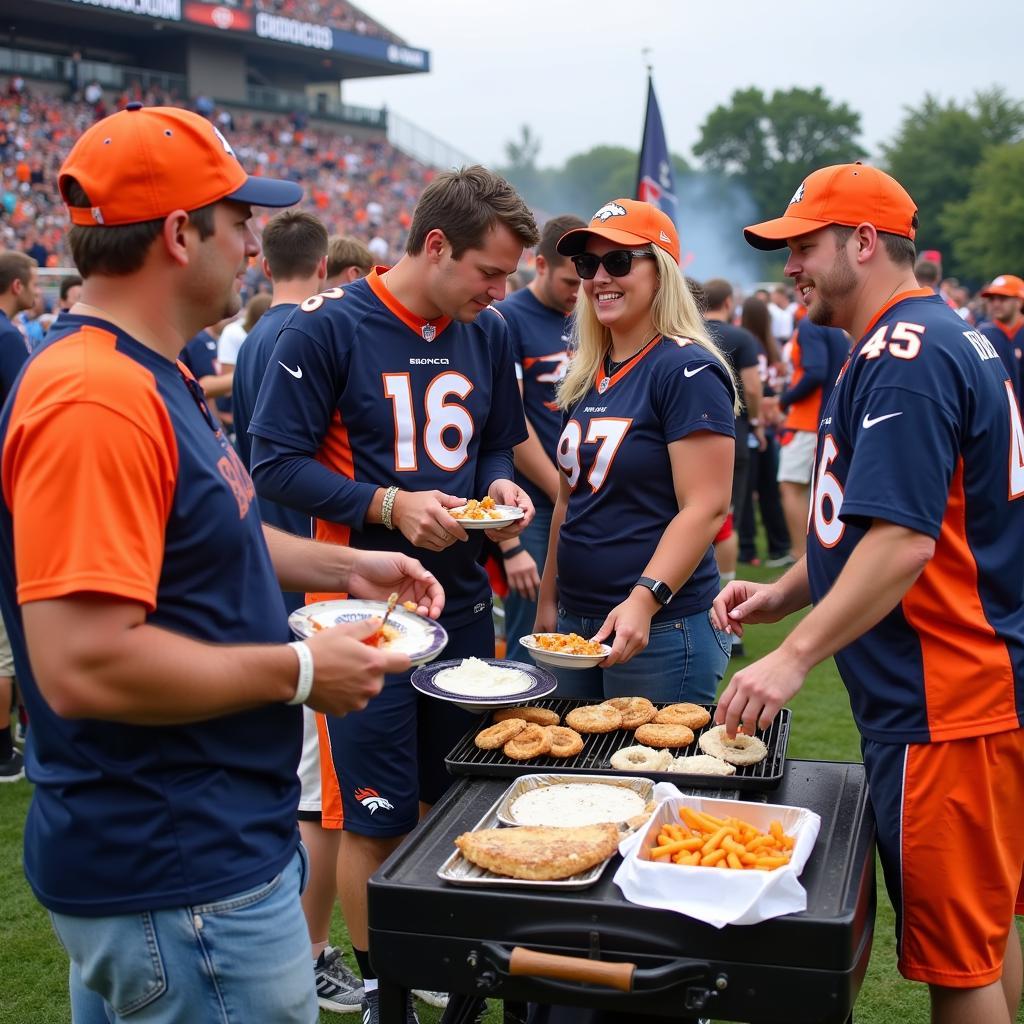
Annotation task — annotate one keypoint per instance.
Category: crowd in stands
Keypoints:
(336, 13)
(359, 187)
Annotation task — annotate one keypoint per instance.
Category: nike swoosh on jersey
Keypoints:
(296, 373)
(869, 422)
(687, 372)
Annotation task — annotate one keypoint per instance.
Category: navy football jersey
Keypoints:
(540, 342)
(200, 355)
(614, 453)
(377, 397)
(131, 817)
(1009, 343)
(14, 351)
(923, 430)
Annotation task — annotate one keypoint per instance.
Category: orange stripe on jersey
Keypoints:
(429, 330)
(623, 370)
(968, 676)
(89, 430)
(336, 454)
(912, 293)
(332, 807)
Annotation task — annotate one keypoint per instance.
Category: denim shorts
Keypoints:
(237, 960)
(684, 660)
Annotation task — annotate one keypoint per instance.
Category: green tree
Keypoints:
(935, 152)
(521, 153)
(986, 229)
(769, 144)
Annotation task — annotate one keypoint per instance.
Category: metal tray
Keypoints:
(458, 871)
(466, 758)
(643, 787)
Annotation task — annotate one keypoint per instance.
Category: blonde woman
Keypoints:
(646, 457)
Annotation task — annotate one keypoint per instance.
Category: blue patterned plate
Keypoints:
(422, 639)
(542, 683)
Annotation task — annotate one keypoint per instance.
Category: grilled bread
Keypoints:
(539, 854)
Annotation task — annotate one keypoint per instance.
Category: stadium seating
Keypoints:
(361, 187)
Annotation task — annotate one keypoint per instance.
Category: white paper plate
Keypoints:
(556, 659)
(422, 639)
(509, 514)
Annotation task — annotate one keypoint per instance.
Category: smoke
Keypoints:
(713, 211)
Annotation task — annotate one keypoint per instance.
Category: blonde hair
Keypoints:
(674, 314)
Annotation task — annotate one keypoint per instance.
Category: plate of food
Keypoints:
(565, 650)
(480, 684)
(406, 632)
(576, 800)
(485, 514)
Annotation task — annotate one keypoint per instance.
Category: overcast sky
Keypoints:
(575, 73)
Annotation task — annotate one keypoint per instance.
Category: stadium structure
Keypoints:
(241, 55)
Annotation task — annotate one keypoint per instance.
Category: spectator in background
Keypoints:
(34, 247)
(231, 339)
(70, 290)
(780, 308)
(539, 333)
(348, 259)
(17, 293)
(764, 462)
(928, 274)
(817, 355)
(1004, 325)
(741, 349)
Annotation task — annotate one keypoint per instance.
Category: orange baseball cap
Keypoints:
(628, 221)
(144, 162)
(1005, 284)
(847, 194)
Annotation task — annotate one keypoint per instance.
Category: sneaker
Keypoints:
(338, 989)
(371, 1009)
(779, 561)
(13, 768)
(438, 999)
(20, 733)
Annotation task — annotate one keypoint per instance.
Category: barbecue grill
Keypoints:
(594, 759)
(803, 968)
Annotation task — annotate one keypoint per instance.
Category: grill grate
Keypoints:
(468, 759)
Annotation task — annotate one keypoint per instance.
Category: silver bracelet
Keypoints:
(386, 507)
(305, 681)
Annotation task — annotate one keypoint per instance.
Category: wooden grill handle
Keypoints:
(571, 968)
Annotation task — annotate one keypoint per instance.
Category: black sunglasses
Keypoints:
(618, 262)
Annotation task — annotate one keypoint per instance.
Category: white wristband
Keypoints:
(305, 681)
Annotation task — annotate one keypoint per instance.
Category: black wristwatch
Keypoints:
(662, 591)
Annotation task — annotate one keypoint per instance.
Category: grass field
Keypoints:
(33, 968)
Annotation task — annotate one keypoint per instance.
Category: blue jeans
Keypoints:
(520, 612)
(684, 660)
(241, 959)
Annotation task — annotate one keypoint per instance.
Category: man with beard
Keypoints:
(388, 402)
(1005, 324)
(913, 566)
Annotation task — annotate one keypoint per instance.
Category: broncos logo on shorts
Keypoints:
(372, 800)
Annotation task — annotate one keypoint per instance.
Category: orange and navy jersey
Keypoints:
(117, 481)
(1009, 343)
(14, 350)
(360, 394)
(614, 453)
(540, 343)
(923, 430)
(817, 354)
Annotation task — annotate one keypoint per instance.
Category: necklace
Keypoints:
(612, 367)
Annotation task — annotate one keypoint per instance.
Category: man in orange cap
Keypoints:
(913, 565)
(148, 629)
(1005, 324)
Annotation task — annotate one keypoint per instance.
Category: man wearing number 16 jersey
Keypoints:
(388, 402)
(913, 565)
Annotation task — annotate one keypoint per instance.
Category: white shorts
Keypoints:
(796, 459)
(309, 763)
(6, 657)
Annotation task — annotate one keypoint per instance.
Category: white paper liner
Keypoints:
(717, 896)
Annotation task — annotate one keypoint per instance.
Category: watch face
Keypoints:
(663, 592)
